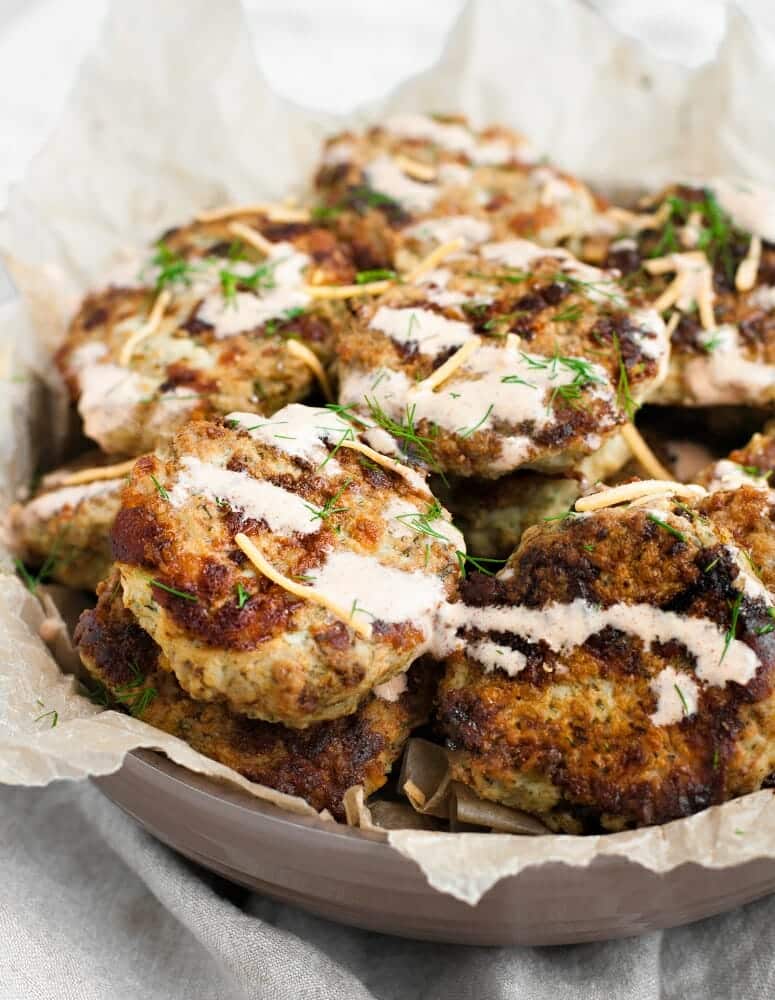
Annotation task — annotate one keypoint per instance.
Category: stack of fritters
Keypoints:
(283, 583)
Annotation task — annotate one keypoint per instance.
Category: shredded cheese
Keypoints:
(693, 282)
(312, 361)
(346, 291)
(410, 475)
(672, 323)
(413, 168)
(633, 491)
(252, 237)
(644, 455)
(450, 366)
(363, 629)
(512, 342)
(94, 475)
(148, 328)
(745, 278)
(275, 213)
(635, 221)
(415, 794)
(434, 258)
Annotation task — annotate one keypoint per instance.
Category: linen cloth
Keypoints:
(93, 908)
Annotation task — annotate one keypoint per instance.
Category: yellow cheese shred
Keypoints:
(644, 455)
(148, 328)
(435, 257)
(252, 237)
(363, 629)
(745, 278)
(347, 291)
(410, 475)
(413, 168)
(273, 212)
(633, 491)
(450, 366)
(312, 361)
(94, 475)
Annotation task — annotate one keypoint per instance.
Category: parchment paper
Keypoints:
(169, 115)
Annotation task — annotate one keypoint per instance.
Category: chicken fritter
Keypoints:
(551, 357)
(705, 258)
(64, 529)
(494, 514)
(209, 324)
(351, 559)
(618, 672)
(400, 188)
(319, 763)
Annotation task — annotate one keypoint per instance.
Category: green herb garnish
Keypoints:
(171, 590)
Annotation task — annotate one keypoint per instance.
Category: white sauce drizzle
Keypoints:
(432, 333)
(285, 513)
(762, 297)
(299, 431)
(668, 686)
(379, 593)
(494, 656)
(465, 227)
(723, 375)
(48, 504)
(107, 392)
(565, 626)
(385, 176)
(393, 689)
(248, 310)
(727, 475)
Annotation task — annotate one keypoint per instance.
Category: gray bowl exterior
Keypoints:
(356, 878)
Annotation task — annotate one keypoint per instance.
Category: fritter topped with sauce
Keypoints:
(705, 258)
(281, 566)
(319, 763)
(751, 465)
(225, 315)
(63, 531)
(515, 357)
(415, 181)
(619, 671)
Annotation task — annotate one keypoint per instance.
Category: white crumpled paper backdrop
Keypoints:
(170, 114)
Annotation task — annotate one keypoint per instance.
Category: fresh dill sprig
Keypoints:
(570, 314)
(466, 432)
(173, 269)
(623, 394)
(422, 522)
(464, 561)
(730, 634)
(683, 699)
(667, 527)
(375, 274)
(163, 493)
(171, 590)
(329, 508)
(404, 431)
(242, 597)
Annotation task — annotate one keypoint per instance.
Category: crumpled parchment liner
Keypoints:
(170, 115)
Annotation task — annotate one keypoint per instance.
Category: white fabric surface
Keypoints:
(92, 908)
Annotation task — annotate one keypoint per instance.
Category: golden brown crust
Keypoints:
(319, 763)
(570, 736)
(228, 632)
(186, 369)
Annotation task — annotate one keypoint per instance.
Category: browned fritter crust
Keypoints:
(554, 314)
(235, 635)
(748, 514)
(187, 370)
(318, 764)
(64, 531)
(509, 191)
(699, 366)
(570, 736)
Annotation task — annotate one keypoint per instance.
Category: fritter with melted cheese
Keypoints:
(514, 357)
(415, 181)
(209, 324)
(319, 763)
(352, 559)
(692, 254)
(618, 672)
